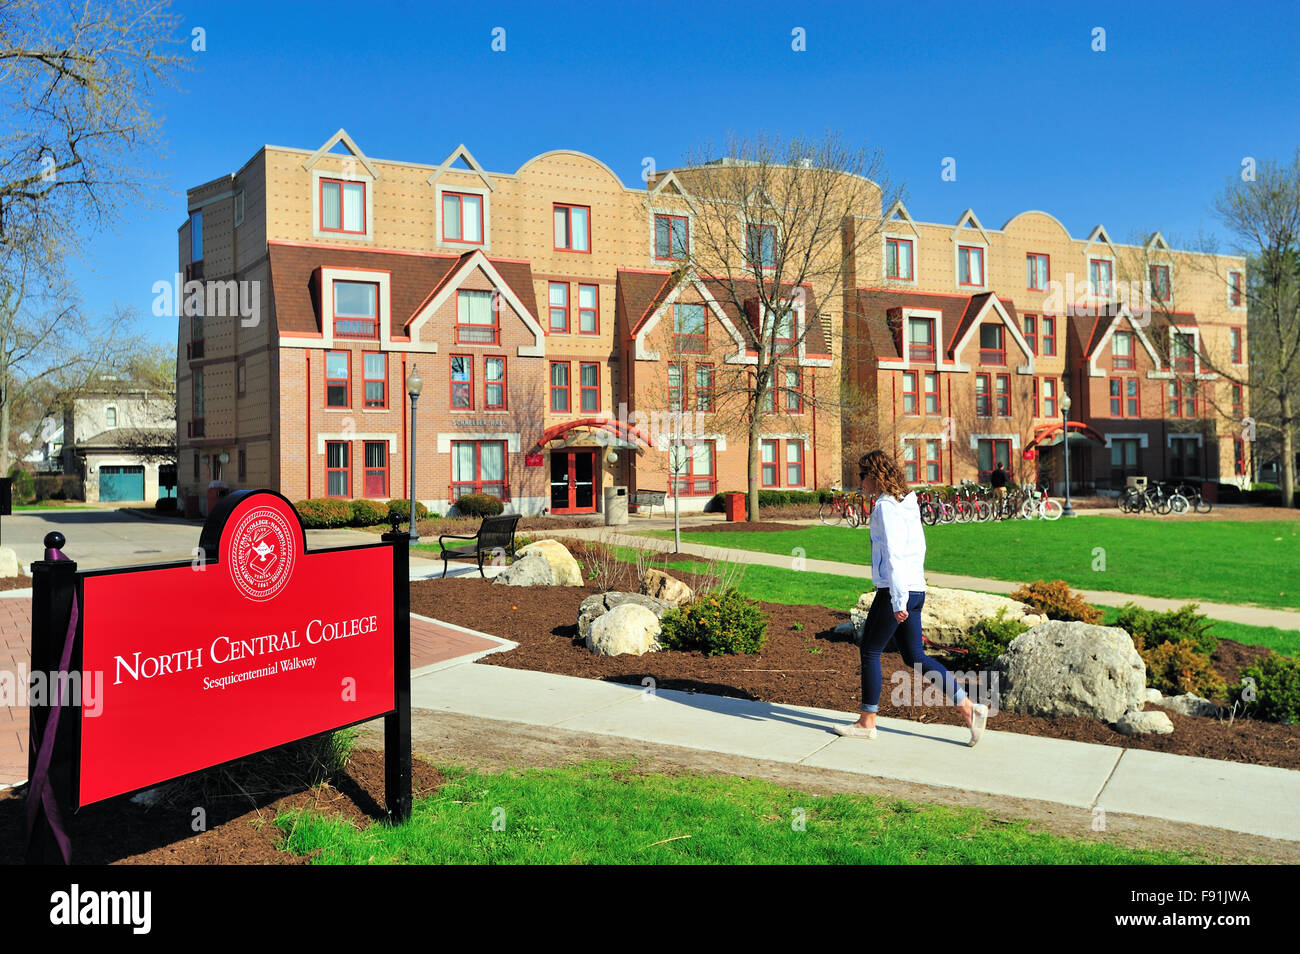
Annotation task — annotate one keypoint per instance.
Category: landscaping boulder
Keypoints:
(563, 566)
(1072, 669)
(949, 615)
(1155, 695)
(9, 563)
(628, 628)
(594, 607)
(1190, 704)
(661, 586)
(531, 570)
(1144, 723)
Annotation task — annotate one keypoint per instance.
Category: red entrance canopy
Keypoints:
(621, 431)
(1044, 434)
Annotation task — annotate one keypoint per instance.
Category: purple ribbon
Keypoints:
(40, 792)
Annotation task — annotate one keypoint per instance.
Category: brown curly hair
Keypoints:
(880, 466)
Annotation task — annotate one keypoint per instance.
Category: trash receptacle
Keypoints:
(1209, 491)
(615, 506)
(734, 505)
(192, 506)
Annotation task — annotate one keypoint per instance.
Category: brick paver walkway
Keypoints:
(430, 643)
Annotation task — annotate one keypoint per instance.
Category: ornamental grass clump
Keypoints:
(719, 623)
(1056, 600)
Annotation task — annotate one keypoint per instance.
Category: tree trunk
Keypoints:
(1288, 452)
(4, 420)
(754, 447)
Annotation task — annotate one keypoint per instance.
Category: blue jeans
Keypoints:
(881, 625)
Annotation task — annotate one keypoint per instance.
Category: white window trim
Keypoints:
(664, 441)
(328, 276)
(640, 353)
(686, 214)
(1092, 292)
(884, 257)
(976, 438)
(486, 223)
(369, 234)
(477, 260)
(444, 440)
(995, 305)
(906, 364)
(957, 246)
(1167, 264)
(350, 437)
(1143, 439)
(1186, 436)
(1104, 343)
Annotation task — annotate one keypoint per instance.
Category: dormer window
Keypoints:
(1183, 351)
(1121, 350)
(920, 339)
(993, 347)
(784, 332)
(1100, 275)
(476, 319)
(760, 245)
(572, 228)
(342, 206)
(672, 238)
(1036, 269)
(689, 332)
(1160, 290)
(356, 310)
(970, 266)
(898, 259)
(462, 218)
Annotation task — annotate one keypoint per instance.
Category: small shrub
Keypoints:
(479, 505)
(367, 513)
(989, 639)
(1183, 625)
(324, 513)
(1276, 689)
(1056, 600)
(721, 623)
(403, 510)
(23, 488)
(1176, 668)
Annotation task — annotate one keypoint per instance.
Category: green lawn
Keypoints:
(1220, 562)
(611, 813)
(17, 508)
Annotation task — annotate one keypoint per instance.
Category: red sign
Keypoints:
(1030, 453)
(208, 662)
(532, 460)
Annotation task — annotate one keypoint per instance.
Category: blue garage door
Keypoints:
(121, 483)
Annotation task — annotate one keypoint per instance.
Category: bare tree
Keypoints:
(776, 230)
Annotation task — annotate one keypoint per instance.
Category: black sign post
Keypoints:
(397, 724)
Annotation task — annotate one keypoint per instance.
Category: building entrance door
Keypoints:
(573, 481)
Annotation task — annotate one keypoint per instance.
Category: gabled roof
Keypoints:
(969, 216)
(342, 137)
(461, 152)
(879, 313)
(412, 279)
(971, 314)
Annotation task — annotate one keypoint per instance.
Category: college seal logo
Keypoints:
(261, 553)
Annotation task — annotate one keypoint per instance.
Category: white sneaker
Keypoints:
(979, 716)
(856, 731)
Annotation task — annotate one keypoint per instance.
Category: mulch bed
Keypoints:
(15, 582)
(239, 832)
(804, 663)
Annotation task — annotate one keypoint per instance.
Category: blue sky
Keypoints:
(1138, 137)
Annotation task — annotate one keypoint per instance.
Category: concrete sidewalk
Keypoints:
(1259, 800)
(1251, 615)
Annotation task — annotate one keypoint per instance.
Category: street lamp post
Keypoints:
(1065, 449)
(414, 385)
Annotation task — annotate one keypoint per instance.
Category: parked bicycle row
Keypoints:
(968, 503)
(1163, 498)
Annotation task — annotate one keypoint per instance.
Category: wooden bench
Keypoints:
(495, 534)
(651, 499)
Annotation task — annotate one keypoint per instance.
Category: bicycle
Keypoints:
(1039, 503)
(1194, 498)
(832, 512)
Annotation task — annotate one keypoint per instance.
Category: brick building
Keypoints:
(562, 342)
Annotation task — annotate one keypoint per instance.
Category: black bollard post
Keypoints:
(54, 713)
(397, 724)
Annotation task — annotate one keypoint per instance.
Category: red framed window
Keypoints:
(1234, 343)
(993, 343)
(792, 380)
(990, 452)
(479, 467)
(970, 266)
(338, 378)
(672, 238)
(1182, 399)
(589, 387)
(1236, 401)
(1121, 351)
(462, 382)
(693, 470)
(462, 218)
(1049, 337)
(338, 469)
(356, 310)
(559, 303)
(898, 258)
(1234, 289)
(933, 461)
(783, 333)
(910, 461)
(560, 387)
(1100, 275)
(1037, 271)
(931, 392)
(1239, 457)
(342, 206)
(794, 463)
(476, 318)
(588, 309)
(1049, 398)
(920, 339)
(1124, 397)
(704, 387)
(1031, 333)
(760, 245)
(376, 469)
(1003, 386)
(674, 387)
(690, 333)
(1037, 408)
(494, 383)
(768, 462)
(982, 406)
(1160, 290)
(572, 228)
(909, 393)
(374, 373)
(1184, 353)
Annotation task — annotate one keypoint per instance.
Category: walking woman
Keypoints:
(898, 572)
